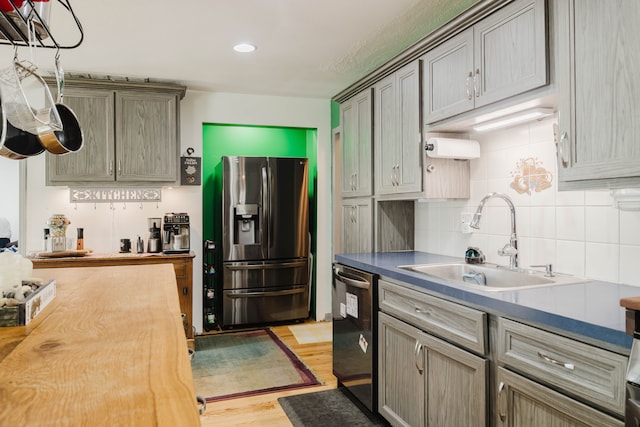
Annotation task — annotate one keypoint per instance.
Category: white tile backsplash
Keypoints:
(570, 223)
(579, 232)
(602, 261)
(602, 224)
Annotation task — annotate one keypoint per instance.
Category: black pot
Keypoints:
(17, 144)
(70, 139)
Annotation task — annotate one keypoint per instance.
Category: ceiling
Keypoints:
(305, 48)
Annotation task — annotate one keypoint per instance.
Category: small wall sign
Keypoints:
(190, 169)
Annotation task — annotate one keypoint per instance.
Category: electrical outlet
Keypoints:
(465, 219)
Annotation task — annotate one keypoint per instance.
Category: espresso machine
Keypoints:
(175, 233)
(154, 244)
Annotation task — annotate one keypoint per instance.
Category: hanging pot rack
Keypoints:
(14, 28)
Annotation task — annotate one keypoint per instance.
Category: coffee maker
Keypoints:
(153, 242)
(175, 233)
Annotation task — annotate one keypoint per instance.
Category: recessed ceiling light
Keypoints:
(244, 47)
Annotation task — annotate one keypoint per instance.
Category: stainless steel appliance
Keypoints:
(175, 233)
(355, 321)
(265, 240)
(154, 244)
(632, 404)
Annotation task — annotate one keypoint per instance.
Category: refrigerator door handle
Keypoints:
(362, 284)
(266, 266)
(266, 209)
(299, 290)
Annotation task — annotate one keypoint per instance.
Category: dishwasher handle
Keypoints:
(356, 283)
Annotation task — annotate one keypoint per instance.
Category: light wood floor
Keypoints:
(264, 410)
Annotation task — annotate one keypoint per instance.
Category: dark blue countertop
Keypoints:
(589, 310)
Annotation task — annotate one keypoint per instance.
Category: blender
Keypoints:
(154, 243)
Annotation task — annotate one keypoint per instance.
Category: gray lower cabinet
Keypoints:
(131, 135)
(584, 376)
(425, 381)
(523, 403)
(431, 368)
(598, 109)
(357, 228)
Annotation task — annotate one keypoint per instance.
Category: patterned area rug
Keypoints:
(240, 364)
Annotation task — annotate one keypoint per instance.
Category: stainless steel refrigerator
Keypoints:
(265, 239)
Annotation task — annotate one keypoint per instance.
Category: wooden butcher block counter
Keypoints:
(109, 350)
(182, 265)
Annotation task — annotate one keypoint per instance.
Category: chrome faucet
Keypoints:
(511, 248)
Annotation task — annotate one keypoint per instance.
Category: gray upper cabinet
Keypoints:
(148, 148)
(131, 136)
(94, 162)
(357, 227)
(499, 57)
(598, 127)
(397, 132)
(356, 116)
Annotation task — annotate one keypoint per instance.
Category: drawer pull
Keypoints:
(423, 311)
(546, 358)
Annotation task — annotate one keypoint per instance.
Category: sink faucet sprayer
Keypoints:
(511, 248)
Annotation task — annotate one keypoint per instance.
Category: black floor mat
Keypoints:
(326, 408)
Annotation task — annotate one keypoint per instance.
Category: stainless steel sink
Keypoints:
(491, 277)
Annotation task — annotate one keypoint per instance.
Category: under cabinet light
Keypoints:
(513, 119)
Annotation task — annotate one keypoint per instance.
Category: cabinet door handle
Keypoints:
(553, 361)
(119, 167)
(355, 181)
(563, 149)
(185, 291)
(476, 89)
(420, 310)
(111, 168)
(501, 414)
(416, 356)
(468, 86)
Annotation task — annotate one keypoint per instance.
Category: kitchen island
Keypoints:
(182, 265)
(109, 350)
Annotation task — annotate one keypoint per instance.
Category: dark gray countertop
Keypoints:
(589, 310)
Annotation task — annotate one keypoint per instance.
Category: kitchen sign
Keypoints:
(190, 168)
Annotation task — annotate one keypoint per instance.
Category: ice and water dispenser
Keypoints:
(246, 225)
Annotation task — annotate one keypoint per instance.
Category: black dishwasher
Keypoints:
(355, 329)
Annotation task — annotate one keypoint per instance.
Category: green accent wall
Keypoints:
(220, 140)
(335, 114)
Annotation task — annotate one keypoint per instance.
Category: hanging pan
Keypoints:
(17, 144)
(70, 139)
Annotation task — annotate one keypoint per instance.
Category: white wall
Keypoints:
(10, 194)
(579, 232)
(104, 224)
